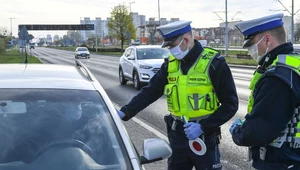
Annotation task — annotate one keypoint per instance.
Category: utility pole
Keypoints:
(226, 30)
(130, 5)
(293, 22)
(292, 14)
(96, 36)
(158, 13)
(11, 29)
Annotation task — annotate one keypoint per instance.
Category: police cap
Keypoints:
(170, 32)
(253, 27)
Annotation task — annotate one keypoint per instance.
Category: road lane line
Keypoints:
(151, 129)
(145, 125)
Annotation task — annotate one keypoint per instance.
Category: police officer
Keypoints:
(197, 84)
(271, 128)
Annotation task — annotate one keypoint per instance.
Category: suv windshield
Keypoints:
(33, 118)
(82, 49)
(152, 53)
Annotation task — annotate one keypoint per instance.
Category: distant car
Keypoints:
(50, 120)
(31, 46)
(203, 43)
(140, 63)
(82, 52)
(297, 48)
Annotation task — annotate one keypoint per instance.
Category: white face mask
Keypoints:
(177, 53)
(253, 51)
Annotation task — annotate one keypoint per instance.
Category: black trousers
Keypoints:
(183, 158)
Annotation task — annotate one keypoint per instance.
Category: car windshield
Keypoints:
(31, 119)
(82, 49)
(152, 53)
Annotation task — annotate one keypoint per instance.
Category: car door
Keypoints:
(125, 62)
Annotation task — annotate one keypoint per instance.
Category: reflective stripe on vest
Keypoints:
(291, 133)
(191, 95)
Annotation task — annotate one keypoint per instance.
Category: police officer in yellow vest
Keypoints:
(272, 126)
(197, 84)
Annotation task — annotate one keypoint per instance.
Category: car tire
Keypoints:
(136, 81)
(122, 79)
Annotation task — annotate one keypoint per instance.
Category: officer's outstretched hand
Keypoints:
(238, 122)
(192, 130)
(121, 114)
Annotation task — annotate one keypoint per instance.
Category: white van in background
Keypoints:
(203, 43)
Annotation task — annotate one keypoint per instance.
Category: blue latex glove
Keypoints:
(121, 114)
(192, 130)
(238, 122)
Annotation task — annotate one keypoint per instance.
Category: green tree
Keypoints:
(121, 24)
(3, 32)
(2, 46)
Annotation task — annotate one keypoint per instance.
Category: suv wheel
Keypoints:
(136, 81)
(121, 77)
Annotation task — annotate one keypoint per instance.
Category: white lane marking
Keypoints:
(151, 129)
(145, 125)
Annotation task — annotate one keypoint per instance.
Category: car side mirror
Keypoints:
(155, 149)
(130, 58)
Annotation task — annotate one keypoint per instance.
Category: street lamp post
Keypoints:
(11, 29)
(226, 29)
(292, 14)
(158, 13)
(130, 5)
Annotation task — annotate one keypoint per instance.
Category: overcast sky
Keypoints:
(200, 12)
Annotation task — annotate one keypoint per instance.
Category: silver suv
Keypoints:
(50, 120)
(140, 63)
(82, 52)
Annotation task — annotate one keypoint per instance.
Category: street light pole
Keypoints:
(11, 25)
(158, 13)
(226, 29)
(130, 5)
(11, 29)
(292, 14)
(292, 39)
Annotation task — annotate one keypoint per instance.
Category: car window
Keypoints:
(82, 49)
(152, 53)
(32, 118)
(127, 52)
(132, 53)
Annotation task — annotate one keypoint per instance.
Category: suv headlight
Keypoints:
(145, 67)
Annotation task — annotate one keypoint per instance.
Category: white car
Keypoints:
(82, 52)
(297, 48)
(140, 63)
(55, 121)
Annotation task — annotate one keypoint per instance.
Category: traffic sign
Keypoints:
(23, 33)
(58, 27)
(197, 146)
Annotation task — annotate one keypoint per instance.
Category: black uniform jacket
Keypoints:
(276, 95)
(221, 79)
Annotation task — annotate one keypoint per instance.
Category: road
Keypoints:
(149, 122)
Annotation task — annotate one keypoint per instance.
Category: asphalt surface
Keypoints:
(149, 122)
